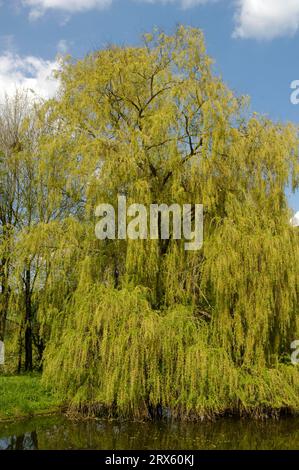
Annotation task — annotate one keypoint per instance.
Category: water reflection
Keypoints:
(57, 433)
(27, 441)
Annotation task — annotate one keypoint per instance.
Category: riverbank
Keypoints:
(23, 396)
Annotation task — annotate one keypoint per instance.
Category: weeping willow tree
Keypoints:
(133, 327)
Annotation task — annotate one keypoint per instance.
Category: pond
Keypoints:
(60, 433)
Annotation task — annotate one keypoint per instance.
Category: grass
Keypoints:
(24, 396)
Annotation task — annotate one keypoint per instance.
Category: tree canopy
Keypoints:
(129, 325)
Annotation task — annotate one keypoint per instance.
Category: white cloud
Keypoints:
(295, 220)
(182, 3)
(38, 7)
(259, 19)
(28, 73)
(266, 19)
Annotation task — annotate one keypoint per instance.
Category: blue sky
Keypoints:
(254, 42)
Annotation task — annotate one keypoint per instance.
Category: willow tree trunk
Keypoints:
(4, 300)
(28, 322)
(2, 323)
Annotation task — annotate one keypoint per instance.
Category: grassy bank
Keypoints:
(22, 396)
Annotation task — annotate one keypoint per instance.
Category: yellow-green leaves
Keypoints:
(129, 324)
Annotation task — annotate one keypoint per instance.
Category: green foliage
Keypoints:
(130, 325)
(118, 356)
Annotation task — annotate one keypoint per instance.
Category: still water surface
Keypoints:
(58, 433)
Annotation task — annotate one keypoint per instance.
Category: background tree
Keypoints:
(34, 195)
(12, 114)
